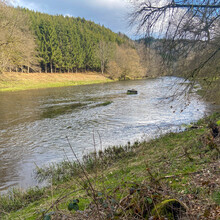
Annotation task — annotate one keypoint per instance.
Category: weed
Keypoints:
(216, 197)
(17, 199)
(64, 171)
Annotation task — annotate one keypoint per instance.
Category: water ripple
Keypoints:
(34, 124)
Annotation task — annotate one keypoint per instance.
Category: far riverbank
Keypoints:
(25, 81)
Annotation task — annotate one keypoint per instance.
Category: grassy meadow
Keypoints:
(25, 81)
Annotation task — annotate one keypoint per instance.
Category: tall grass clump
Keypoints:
(16, 199)
(67, 169)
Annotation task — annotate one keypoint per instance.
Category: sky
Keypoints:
(113, 14)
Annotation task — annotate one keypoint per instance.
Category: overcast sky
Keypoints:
(110, 13)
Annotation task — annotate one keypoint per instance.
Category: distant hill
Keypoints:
(46, 43)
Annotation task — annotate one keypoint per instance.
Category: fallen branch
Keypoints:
(180, 175)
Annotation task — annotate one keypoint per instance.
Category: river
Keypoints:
(34, 123)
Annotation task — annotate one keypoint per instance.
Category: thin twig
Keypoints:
(87, 178)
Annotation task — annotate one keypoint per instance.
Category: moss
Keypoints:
(170, 208)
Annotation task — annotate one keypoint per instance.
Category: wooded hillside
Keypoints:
(36, 42)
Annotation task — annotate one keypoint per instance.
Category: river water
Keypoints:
(34, 124)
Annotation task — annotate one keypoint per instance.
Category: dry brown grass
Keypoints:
(52, 77)
(21, 81)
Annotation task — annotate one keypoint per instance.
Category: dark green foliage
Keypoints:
(73, 205)
(47, 217)
(67, 44)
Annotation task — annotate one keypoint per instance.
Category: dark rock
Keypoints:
(132, 92)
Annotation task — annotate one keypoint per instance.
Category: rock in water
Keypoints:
(132, 92)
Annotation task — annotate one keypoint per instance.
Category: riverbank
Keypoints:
(210, 89)
(178, 169)
(25, 81)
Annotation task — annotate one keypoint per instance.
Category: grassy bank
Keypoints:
(24, 81)
(176, 175)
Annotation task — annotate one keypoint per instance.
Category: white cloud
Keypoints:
(108, 3)
(110, 13)
(31, 5)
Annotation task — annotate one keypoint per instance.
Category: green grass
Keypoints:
(170, 160)
(24, 81)
(216, 197)
(53, 111)
(104, 104)
(9, 87)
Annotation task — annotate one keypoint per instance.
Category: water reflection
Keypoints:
(34, 124)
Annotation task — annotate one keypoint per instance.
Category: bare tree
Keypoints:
(17, 45)
(183, 25)
(125, 64)
(104, 53)
(150, 60)
(188, 31)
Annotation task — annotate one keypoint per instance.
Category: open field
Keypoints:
(24, 81)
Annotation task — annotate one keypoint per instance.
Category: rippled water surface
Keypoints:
(34, 124)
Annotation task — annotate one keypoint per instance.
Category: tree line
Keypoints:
(37, 42)
(67, 44)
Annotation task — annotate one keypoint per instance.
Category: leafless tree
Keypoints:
(17, 45)
(125, 63)
(104, 53)
(188, 31)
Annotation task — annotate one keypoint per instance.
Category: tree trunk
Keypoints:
(102, 67)
(51, 67)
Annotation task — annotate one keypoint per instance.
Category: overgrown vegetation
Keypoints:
(175, 177)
